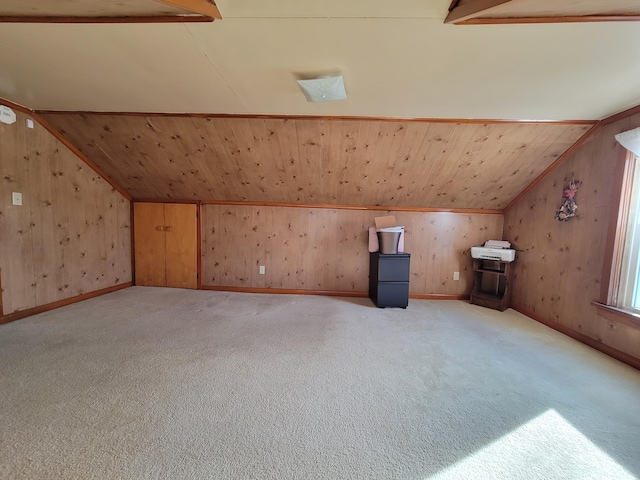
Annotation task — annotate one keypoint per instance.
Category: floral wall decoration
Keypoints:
(569, 208)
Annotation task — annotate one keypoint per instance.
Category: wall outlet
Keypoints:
(456, 275)
(16, 198)
(261, 269)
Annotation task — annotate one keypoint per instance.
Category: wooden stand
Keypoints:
(492, 284)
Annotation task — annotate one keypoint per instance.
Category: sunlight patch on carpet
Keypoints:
(547, 447)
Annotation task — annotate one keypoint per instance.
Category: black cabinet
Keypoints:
(389, 279)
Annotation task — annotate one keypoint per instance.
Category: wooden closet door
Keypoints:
(149, 240)
(181, 239)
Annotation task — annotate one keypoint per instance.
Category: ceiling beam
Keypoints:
(132, 19)
(472, 9)
(203, 7)
(559, 19)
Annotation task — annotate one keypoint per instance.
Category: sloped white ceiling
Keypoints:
(398, 60)
(434, 9)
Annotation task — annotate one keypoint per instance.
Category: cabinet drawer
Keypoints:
(393, 268)
(392, 294)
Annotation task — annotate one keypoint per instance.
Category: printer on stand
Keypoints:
(498, 250)
(492, 274)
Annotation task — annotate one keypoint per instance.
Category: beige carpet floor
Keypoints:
(152, 383)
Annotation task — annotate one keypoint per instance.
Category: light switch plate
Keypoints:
(16, 198)
(29, 123)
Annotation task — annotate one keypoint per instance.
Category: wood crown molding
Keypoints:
(165, 200)
(471, 9)
(558, 19)
(16, 106)
(127, 19)
(621, 115)
(67, 143)
(612, 119)
(476, 121)
(463, 211)
(203, 7)
(559, 161)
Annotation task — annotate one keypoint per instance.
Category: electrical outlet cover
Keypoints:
(16, 198)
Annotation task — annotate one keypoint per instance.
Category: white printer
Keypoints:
(497, 250)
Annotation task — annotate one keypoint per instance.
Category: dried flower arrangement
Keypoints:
(569, 208)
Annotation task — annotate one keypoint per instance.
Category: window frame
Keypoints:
(625, 297)
(616, 235)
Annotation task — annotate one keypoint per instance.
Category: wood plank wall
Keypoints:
(559, 266)
(72, 234)
(403, 163)
(325, 249)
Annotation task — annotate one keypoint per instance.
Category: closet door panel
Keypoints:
(149, 239)
(181, 237)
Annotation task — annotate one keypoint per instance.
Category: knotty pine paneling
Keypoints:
(71, 235)
(16, 235)
(327, 249)
(559, 264)
(426, 164)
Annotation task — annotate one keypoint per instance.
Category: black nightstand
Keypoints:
(389, 279)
